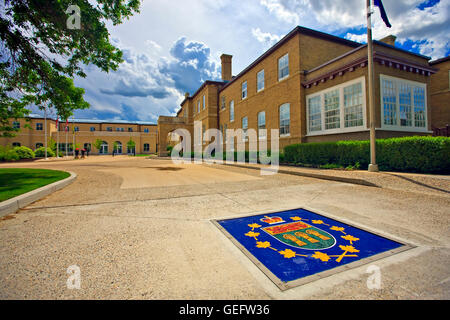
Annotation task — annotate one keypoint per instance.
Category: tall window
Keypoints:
(244, 90)
(332, 112)
(244, 128)
(353, 105)
(146, 130)
(283, 67)
(146, 147)
(315, 114)
(262, 124)
(404, 104)
(39, 126)
(419, 107)
(198, 106)
(204, 102)
(232, 111)
(285, 119)
(222, 102)
(260, 81)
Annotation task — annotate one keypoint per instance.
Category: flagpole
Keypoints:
(57, 136)
(73, 135)
(373, 166)
(45, 131)
(67, 133)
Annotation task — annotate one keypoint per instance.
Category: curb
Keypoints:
(311, 175)
(356, 181)
(12, 205)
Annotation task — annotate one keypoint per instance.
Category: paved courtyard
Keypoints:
(141, 229)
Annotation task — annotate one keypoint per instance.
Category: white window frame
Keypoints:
(398, 127)
(342, 128)
(264, 136)
(279, 120)
(279, 70)
(244, 129)
(244, 90)
(258, 81)
(232, 110)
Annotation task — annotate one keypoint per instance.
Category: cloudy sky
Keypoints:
(171, 47)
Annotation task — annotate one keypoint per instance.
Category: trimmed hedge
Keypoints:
(409, 154)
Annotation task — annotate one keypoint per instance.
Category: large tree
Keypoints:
(45, 43)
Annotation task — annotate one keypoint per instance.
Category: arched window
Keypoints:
(118, 147)
(104, 148)
(16, 144)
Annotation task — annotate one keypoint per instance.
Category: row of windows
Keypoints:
(337, 108)
(109, 129)
(88, 147)
(40, 127)
(283, 73)
(284, 123)
(403, 103)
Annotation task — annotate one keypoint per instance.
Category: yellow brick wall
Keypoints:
(440, 95)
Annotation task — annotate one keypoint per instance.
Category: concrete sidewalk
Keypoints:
(158, 242)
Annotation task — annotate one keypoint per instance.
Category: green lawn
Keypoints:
(16, 181)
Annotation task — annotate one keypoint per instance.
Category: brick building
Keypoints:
(312, 86)
(440, 93)
(85, 133)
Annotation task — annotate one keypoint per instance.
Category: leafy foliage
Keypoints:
(40, 54)
(40, 152)
(24, 152)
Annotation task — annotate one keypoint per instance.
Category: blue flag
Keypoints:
(379, 4)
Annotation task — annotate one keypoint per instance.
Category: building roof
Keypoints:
(447, 58)
(94, 121)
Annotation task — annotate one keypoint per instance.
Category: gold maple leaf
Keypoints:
(350, 238)
(317, 221)
(252, 234)
(288, 253)
(265, 244)
(296, 218)
(349, 249)
(321, 256)
(254, 226)
(341, 229)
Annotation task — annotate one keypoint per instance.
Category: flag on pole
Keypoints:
(379, 4)
(67, 124)
(56, 123)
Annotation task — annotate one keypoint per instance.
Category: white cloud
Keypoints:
(265, 37)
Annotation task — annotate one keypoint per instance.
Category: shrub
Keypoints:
(11, 155)
(410, 154)
(24, 152)
(40, 152)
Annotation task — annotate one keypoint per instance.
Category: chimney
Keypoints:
(390, 40)
(226, 67)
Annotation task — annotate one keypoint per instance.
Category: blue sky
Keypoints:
(171, 47)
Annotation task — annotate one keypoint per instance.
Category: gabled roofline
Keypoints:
(286, 38)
